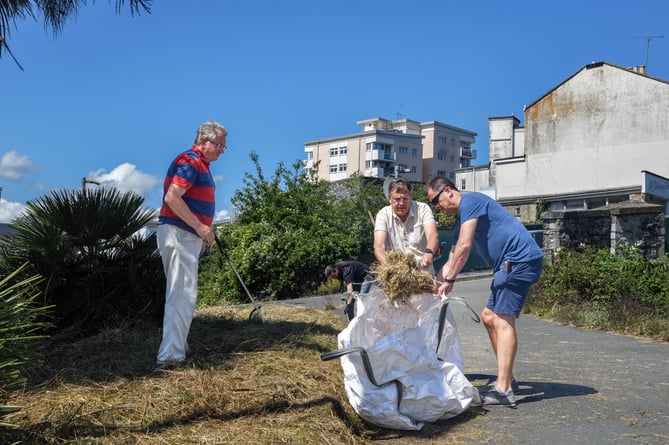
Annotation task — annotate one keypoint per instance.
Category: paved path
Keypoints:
(577, 386)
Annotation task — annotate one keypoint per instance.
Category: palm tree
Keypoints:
(55, 13)
(86, 244)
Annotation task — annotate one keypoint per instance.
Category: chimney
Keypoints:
(642, 69)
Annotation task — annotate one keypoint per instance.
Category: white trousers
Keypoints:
(179, 251)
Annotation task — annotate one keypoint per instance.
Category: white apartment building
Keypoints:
(599, 137)
(414, 150)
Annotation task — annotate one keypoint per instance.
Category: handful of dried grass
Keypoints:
(400, 277)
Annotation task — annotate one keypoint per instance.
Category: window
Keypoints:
(452, 159)
(516, 211)
(378, 146)
(368, 164)
(441, 172)
(451, 176)
(403, 150)
(338, 151)
(463, 184)
(413, 169)
(442, 140)
(333, 169)
(452, 142)
(414, 152)
(441, 155)
(342, 168)
(310, 155)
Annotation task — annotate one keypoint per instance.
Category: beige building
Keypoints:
(414, 150)
(599, 137)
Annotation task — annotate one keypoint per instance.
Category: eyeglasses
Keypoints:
(217, 145)
(435, 200)
(399, 199)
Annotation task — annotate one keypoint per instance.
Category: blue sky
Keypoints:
(114, 98)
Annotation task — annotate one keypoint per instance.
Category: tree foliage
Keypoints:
(289, 227)
(97, 268)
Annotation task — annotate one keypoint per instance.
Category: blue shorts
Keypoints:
(509, 290)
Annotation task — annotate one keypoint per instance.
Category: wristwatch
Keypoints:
(428, 251)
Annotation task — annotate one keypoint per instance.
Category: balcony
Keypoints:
(375, 172)
(467, 153)
(380, 155)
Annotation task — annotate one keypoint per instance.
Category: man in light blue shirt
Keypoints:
(505, 244)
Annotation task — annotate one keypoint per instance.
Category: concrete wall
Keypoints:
(597, 130)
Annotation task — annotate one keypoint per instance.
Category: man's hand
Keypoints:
(206, 234)
(444, 289)
(426, 260)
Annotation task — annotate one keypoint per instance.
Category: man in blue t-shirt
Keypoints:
(505, 244)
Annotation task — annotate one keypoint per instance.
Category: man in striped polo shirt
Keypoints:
(184, 231)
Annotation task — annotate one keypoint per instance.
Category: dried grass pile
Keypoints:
(400, 277)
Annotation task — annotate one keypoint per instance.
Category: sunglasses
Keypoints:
(435, 200)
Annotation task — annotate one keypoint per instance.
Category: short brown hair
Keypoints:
(400, 185)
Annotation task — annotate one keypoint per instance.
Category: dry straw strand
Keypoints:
(400, 277)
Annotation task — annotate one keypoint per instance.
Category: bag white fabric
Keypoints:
(402, 344)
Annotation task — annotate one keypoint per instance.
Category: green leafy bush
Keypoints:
(595, 288)
(97, 269)
(289, 227)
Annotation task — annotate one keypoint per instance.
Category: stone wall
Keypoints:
(641, 225)
(630, 222)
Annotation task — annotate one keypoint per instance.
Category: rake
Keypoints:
(256, 307)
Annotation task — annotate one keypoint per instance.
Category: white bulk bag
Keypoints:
(403, 363)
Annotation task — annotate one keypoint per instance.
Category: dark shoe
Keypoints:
(497, 397)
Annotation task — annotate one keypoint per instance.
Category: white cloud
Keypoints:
(9, 211)
(222, 215)
(13, 166)
(218, 178)
(125, 178)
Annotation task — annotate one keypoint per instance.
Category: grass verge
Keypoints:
(244, 382)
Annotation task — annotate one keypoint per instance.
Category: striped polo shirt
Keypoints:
(190, 170)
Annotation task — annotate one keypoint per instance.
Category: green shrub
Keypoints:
(19, 329)
(97, 269)
(329, 287)
(595, 288)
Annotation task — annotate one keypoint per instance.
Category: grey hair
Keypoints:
(209, 130)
